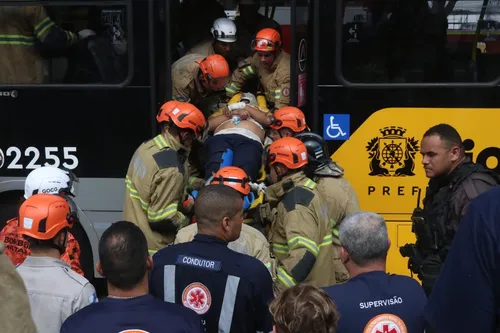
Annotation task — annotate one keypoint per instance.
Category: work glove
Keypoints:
(236, 106)
(258, 187)
(85, 33)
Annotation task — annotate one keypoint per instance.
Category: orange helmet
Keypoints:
(290, 152)
(289, 117)
(215, 70)
(233, 177)
(166, 108)
(267, 40)
(186, 115)
(42, 216)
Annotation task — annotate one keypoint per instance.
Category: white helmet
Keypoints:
(47, 179)
(249, 98)
(224, 30)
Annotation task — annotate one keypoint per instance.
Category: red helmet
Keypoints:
(186, 115)
(290, 152)
(289, 117)
(42, 216)
(215, 70)
(233, 177)
(267, 40)
(165, 109)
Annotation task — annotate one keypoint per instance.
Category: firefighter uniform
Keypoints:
(15, 313)
(186, 86)
(17, 248)
(20, 28)
(251, 242)
(341, 200)
(54, 290)
(156, 179)
(300, 234)
(275, 82)
(204, 48)
(229, 290)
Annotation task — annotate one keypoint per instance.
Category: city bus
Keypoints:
(355, 73)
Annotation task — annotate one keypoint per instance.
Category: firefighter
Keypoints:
(21, 28)
(288, 121)
(240, 130)
(54, 290)
(15, 313)
(158, 175)
(224, 36)
(251, 241)
(270, 64)
(200, 80)
(300, 234)
(338, 192)
(50, 180)
(229, 290)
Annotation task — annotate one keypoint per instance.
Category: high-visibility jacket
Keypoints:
(300, 234)
(274, 82)
(20, 28)
(156, 179)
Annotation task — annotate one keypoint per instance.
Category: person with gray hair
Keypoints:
(372, 300)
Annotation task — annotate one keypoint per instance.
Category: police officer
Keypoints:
(454, 182)
(54, 290)
(224, 36)
(300, 234)
(372, 300)
(15, 313)
(22, 27)
(270, 64)
(158, 175)
(251, 241)
(288, 121)
(49, 180)
(229, 290)
(200, 80)
(125, 262)
(338, 192)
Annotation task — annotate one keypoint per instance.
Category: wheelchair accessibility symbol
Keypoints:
(336, 126)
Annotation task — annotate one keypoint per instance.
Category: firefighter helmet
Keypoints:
(186, 115)
(289, 117)
(233, 177)
(47, 179)
(224, 30)
(165, 110)
(267, 40)
(290, 152)
(215, 70)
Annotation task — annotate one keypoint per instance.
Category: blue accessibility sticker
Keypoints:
(336, 126)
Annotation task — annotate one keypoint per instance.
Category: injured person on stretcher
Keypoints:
(239, 134)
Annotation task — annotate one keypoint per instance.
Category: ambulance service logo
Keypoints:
(197, 297)
(392, 154)
(385, 323)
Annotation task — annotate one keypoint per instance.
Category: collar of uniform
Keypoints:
(173, 143)
(279, 189)
(44, 262)
(276, 61)
(209, 239)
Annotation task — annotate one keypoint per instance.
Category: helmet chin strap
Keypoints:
(61, 248)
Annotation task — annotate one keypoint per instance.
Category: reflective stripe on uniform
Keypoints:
(17, 40)
(233, 88)
(153, 216)
(248, 72)
(277, 94)
(284, 278)
(152, 252)
(310, 184)
(43, 27)
(310, 245)
(228, 300)
(334, 230)
(160, 141)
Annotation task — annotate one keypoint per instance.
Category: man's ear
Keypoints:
(455, 153)
(226, 223)
(149, 263)
(99, 268)
(388, 243)
(344, 255)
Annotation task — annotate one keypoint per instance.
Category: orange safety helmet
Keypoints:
(233, 177)
(289, 117)
(215, 70)
(290, 152)
(42, 216)
(165, 109)
(267, 40)
(186, 115)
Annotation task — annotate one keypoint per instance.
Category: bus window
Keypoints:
(418, 41)
(74, 45)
